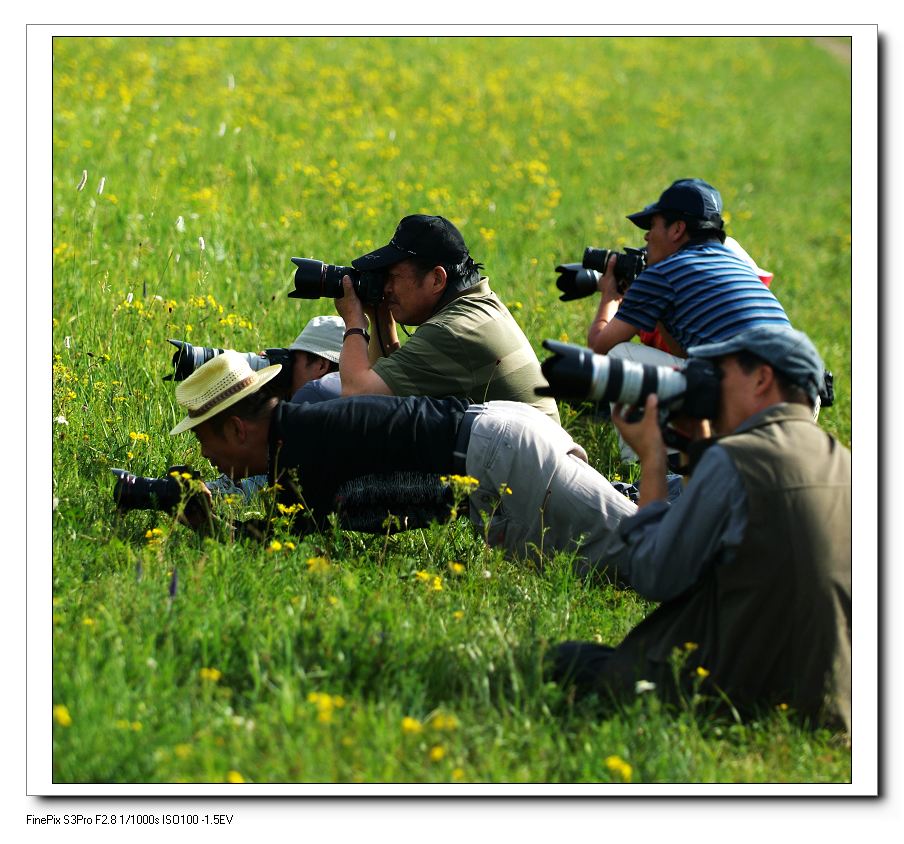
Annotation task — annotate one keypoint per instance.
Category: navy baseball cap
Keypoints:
(692, 198)
(421, 236)
(784, 348)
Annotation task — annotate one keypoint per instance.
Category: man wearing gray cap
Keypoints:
(752, 563)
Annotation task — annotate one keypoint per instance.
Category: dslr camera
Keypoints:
(578, 374)
(579, 280)
(132, 492)
(187, 358)
(315, 279)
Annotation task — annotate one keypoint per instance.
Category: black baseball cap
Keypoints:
(421, 236)
(691, 198)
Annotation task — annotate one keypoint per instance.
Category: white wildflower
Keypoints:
(201, 245)
(61, 420)
(642, 686)
(180, 224)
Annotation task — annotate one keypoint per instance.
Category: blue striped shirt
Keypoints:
(703, 293)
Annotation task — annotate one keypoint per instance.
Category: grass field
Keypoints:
(186, 173)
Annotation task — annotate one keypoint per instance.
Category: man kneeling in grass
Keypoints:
(752, 563)
(534, 486)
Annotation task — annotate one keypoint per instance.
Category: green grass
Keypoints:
(260, 664)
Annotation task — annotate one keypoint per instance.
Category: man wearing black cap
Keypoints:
(752, 563)
(467, 343)
(696, 287)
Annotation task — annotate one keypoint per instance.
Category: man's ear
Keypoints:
(765, 379)
(235, 429)
(678, 230)
(438, 281)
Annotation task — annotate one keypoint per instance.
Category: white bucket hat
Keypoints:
(321, 336)
(219, 384)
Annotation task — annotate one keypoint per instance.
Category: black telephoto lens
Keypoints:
(187, 358)
(132, 492)
(316, 280)
(596, 259)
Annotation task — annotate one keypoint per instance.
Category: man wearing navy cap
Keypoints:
(752, 563)
(467, 344)
(696, 287)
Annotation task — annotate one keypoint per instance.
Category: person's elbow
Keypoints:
(602, 337)
(365, 383)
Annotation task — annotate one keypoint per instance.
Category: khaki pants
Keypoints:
(558, 502)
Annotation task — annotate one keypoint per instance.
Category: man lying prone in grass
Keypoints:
(533, 489)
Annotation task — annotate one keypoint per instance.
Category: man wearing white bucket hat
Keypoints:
(314, 377)
(319, 346)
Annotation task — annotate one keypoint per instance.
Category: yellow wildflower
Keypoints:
(458, 615)
(457, 568)
(211, 675)
(61, 715)
(411, 725)
(702, 672)
(618, 766)
(275, 545)
(458, 774)
(437, 752)
(441, 721)
(318, 565)
(235, 778)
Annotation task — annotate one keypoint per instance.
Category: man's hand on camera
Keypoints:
(645, 437)
(607, 285)
(349, 306)
(197, 511)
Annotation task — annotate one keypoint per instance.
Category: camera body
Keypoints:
(133, 492)
(187, 358)
(576, 373)
(315, 279)
(579, 280)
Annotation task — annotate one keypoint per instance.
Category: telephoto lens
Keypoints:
(576, 282)
(628, 264)
(578, 374)
(187, 358)
(316, 280)
(133, 492)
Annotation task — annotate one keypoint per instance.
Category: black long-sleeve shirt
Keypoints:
(314, 448)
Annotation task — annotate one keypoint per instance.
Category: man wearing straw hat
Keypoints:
(314, 377)
(532, 480)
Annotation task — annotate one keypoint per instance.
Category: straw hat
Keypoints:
(321, 336)
(219, 384)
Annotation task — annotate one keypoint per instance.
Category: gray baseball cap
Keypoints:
(321, 336)
(784, 348)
